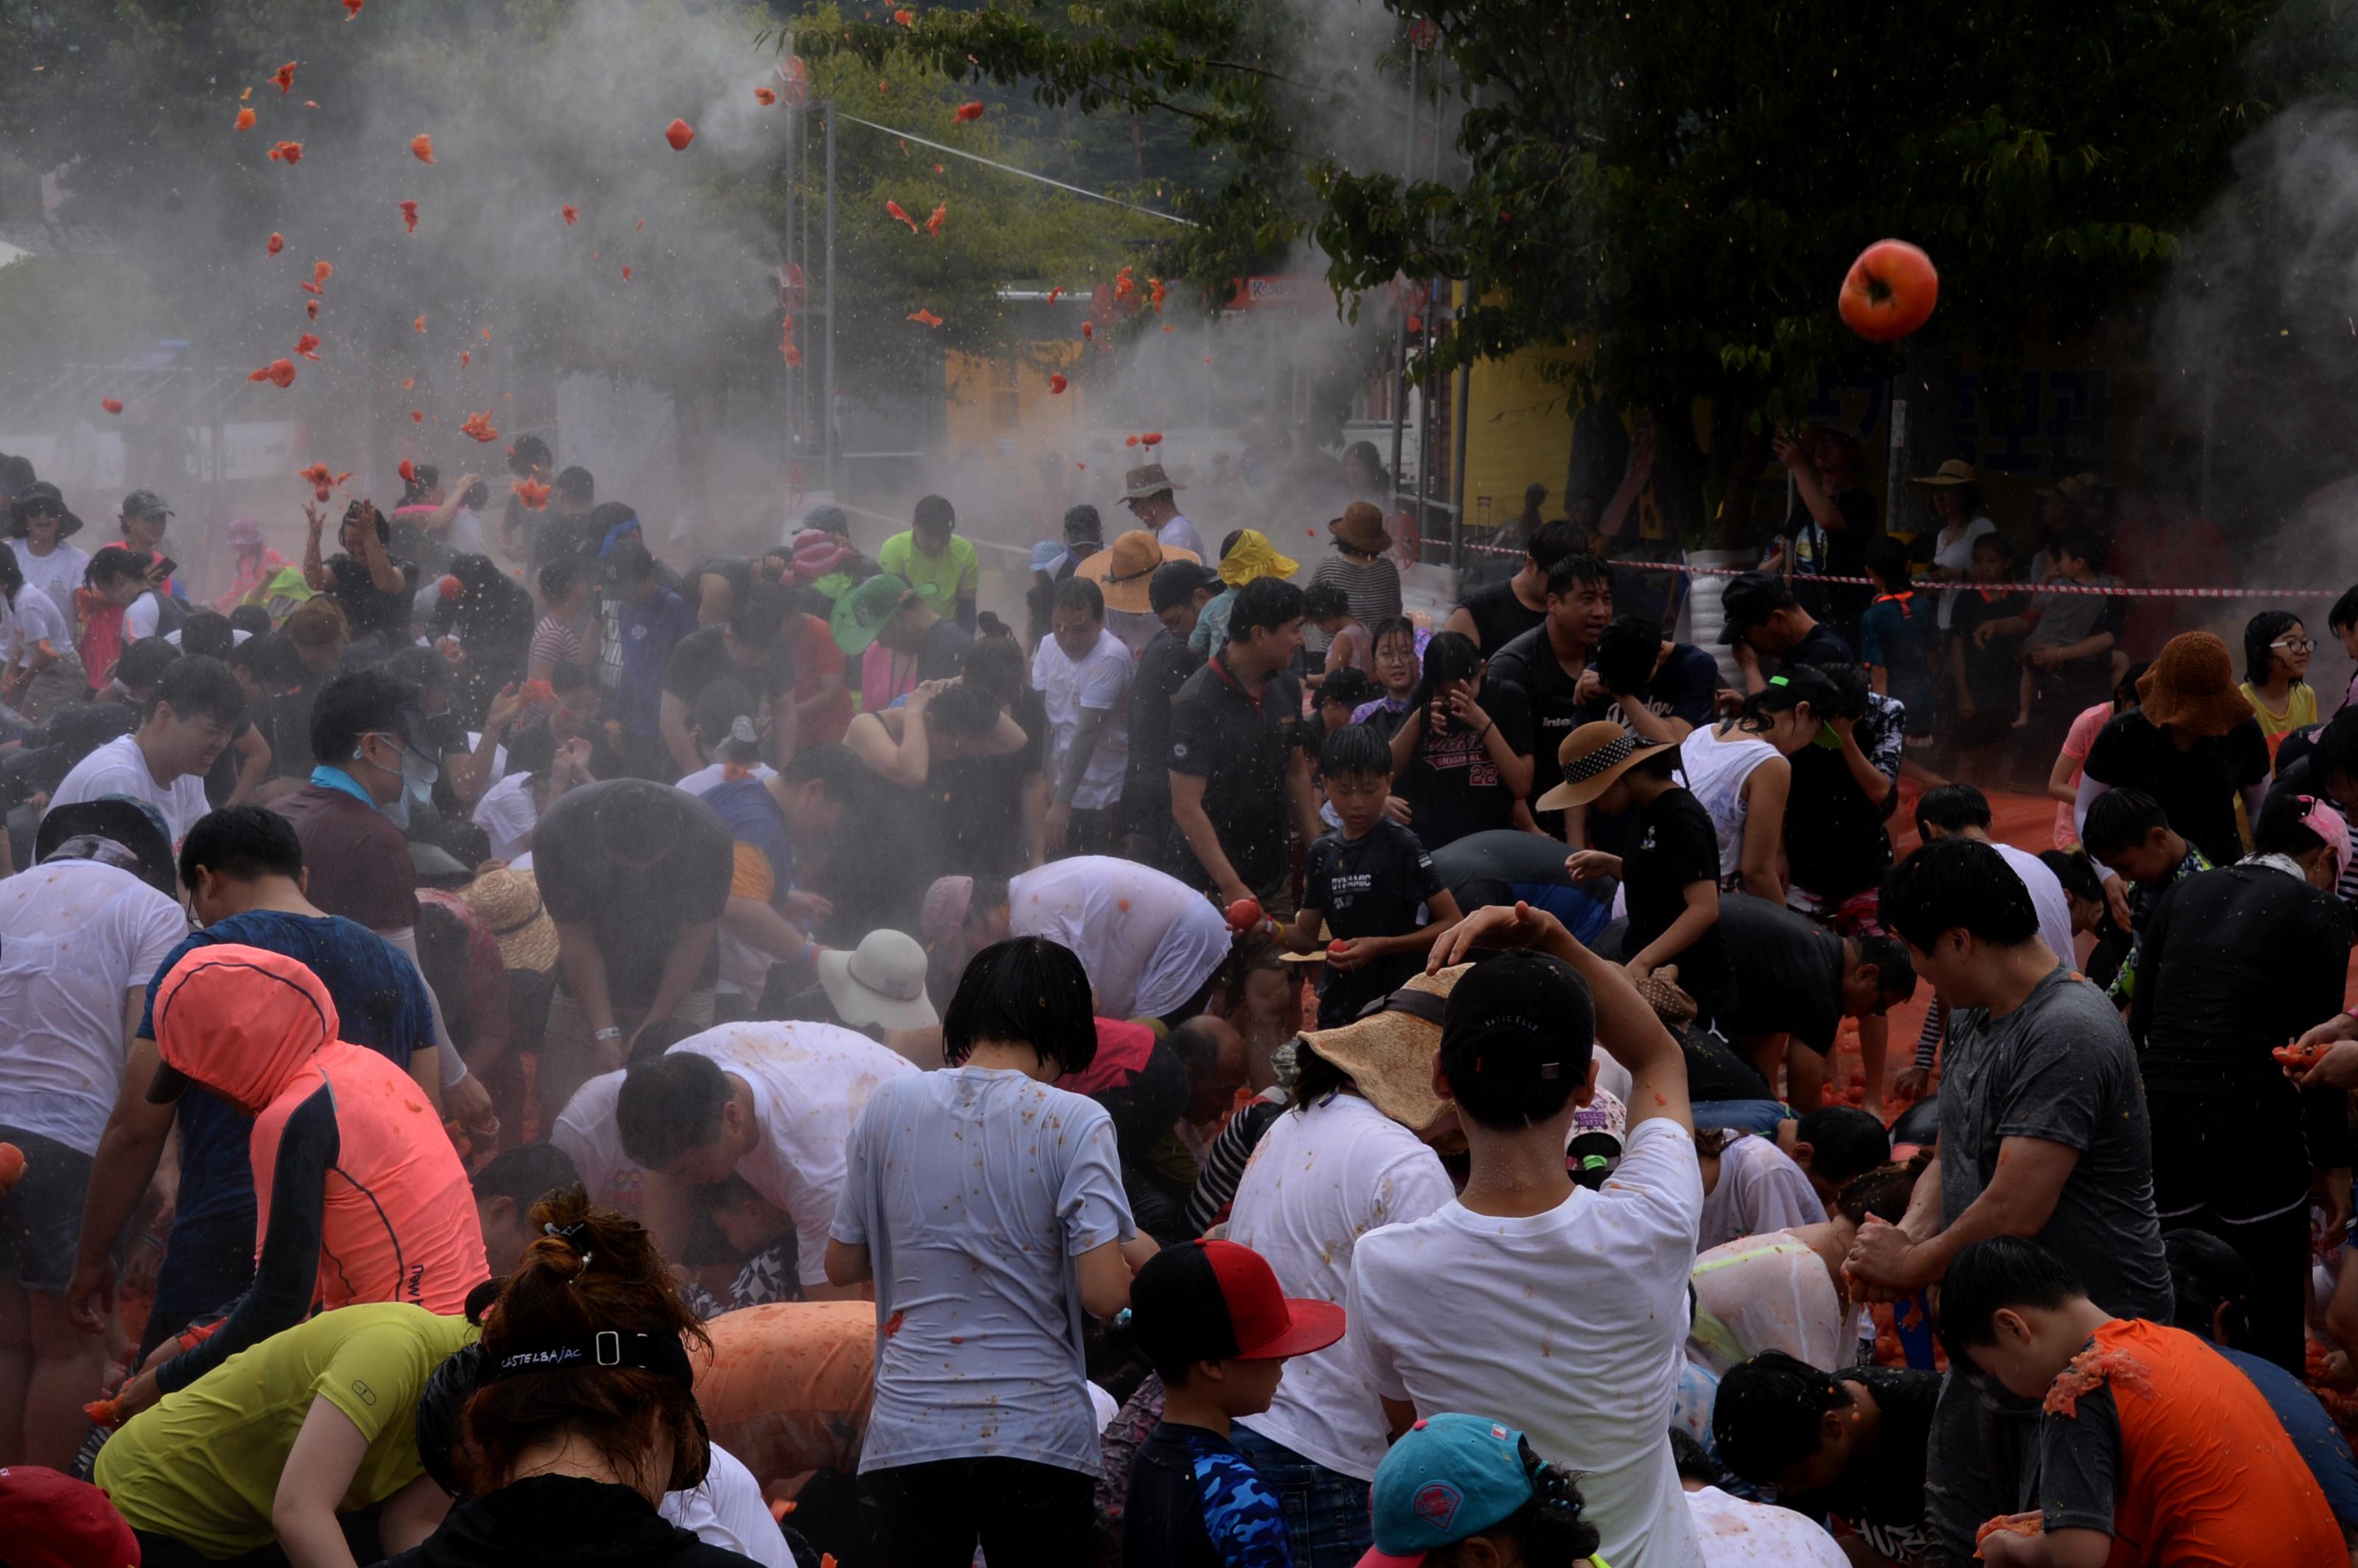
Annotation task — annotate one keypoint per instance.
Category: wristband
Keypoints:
(610, 1033)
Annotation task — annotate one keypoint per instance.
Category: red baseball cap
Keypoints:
(51, 1520)
(1218, 1301)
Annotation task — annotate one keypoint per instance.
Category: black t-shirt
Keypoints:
(2197, 787)
(1530, 662)
(1685, 687)
(1243, 748)
(370, 609)
(1670, 845)
(1452, 785)
(1714, 1072)
(1499, 617)
(1367, 886)
(1835, 845)
(1161, 670)
(221, 782)
(1993, 671)
(1883, 1497)
(1792, 969)
(981, 798)
(1843, 554)
(702, 657)
(635, 913)
(1821, 645)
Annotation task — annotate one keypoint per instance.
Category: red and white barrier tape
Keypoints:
(2116, 591)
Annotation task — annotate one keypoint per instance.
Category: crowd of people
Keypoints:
(517, 1050)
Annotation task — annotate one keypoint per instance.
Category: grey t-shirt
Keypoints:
(2060, 1069)
(974, 1190)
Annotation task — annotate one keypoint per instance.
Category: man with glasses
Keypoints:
(1148, 496)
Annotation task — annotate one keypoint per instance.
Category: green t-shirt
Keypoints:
(202, 1465)
(941, 580)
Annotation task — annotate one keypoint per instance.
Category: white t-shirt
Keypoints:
(1321, 1178)
(141, 617)
(728, 1512)
(1568, 1325)
(1179, 533)
(119, 767)
(1098, 682)
(1958, 556)
(708, 776)
(1734, 1533)
(585, 1129)
(58, 574)
(1759, 1189)
(1148, 941)
(2045, 896)
(1768, 1293)
(507, 814)
(74, 936)
(30, 620)
(810, 1082)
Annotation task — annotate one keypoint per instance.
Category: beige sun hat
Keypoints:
(510, 904)
(1389, 1054)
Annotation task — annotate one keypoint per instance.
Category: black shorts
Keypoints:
(40, 1219)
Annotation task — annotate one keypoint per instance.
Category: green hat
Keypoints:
(859, 614)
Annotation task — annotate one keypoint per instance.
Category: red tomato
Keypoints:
(679, 132)
(244, 120)
(1337, 947)
(1244, 915)
(1890, 292)
(112, 404)
(422, 148)
(12, 1165)
(448, 586)
(1056, 383)
(278, 243)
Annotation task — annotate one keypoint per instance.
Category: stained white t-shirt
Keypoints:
(1569, 1325)
(1734, 1533)
(1759, 1189)
(31, 620)
(1321, 1178)
(119, 767)
(729, 1512)
(141, 617)
(1148, 941)
(1768, 1293)
(809, 1082)
(585, 1129)
(58, 574)
(1179, 533)
(1099, 683)
(2045, 896)
(711, 776)
(507, 814)
(74, 936)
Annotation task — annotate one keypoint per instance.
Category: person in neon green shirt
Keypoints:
(276, 1441)
(934, 560)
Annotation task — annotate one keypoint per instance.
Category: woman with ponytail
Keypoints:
(585, 1413)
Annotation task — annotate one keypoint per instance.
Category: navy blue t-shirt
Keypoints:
(381, 1003)
(1367, 886)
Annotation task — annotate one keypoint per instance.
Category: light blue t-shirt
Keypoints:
(974, 1190)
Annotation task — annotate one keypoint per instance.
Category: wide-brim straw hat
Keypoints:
(1361, 528)
(1124, 572)
(1671, 1005)
(2191, 687)
(1592, 756)
(1147, 480)
(1956, 470)
(1389, 1054)
(510, 904)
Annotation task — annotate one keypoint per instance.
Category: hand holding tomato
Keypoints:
(1244, 914)
(1343, 957)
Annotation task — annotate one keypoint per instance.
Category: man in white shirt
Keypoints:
(1531, 1298)
(1150, 943)
(773, 1103)
(1147, 491)
(78, 944)
(1082, 673)
(194, 716)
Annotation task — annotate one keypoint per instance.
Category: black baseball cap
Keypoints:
(1749, 598)
(1219, 1301)
(119, 819)
(145, 503)
(1523, 1017)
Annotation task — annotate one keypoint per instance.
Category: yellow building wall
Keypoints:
(1008, 400)
(1518, 432)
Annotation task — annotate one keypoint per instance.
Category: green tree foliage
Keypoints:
(1667, 195)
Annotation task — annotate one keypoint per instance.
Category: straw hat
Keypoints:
(510, 904)
(1361, 528)
(2191, 687)
(1956, 470)
(1671, 1005)
(1592, 756)
(1126, 570)
(1147, 480)
(1389, 1054)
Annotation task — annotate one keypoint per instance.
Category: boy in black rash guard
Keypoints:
(1364, 884)
(1670, 869)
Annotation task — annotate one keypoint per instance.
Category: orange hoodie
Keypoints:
(395, 1216)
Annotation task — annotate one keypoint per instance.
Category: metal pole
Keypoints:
(1400, 341)
(1457, 469)
(827, 388)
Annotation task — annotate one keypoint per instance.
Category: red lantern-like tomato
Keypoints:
(1890, 291)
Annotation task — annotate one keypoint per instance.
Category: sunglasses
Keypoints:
(41, 509)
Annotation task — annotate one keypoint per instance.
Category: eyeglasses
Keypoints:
(2294, 644)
